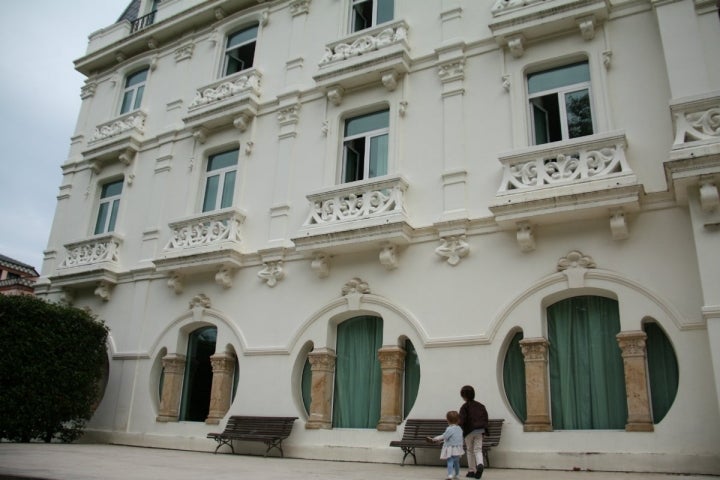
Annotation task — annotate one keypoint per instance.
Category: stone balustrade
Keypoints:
(244, 82)
(132, 122)
(368, 41)
(95, 250)
(207, 229)
(696, 119)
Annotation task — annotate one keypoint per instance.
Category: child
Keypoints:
(474, 421)
(452, 448)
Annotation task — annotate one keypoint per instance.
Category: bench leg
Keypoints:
(408, 451)
(224, 441)
(486, 457)
(274, 444)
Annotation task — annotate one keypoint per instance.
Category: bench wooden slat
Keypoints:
(270, 430)
(418, 429)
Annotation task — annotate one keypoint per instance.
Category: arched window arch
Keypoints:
(587, 384)
(411, 377)
(514, 376)
(662, 370)
(195, 403)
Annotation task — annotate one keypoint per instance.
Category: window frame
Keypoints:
(136, 91)
(561, 93)
(220, 172)
(368, 136)
(227, 49)
(373, 21)
(109, 221)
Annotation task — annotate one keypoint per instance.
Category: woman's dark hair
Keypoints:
(467, 392)
(453, 417)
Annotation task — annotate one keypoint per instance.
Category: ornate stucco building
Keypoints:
(345, 210)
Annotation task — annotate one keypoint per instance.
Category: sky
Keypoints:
(39, 104)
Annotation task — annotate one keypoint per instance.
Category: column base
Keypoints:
(166, 418)
(387, 425)
(317, 425)
(537, 427)
(639, 427)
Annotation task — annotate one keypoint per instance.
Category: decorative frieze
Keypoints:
(95, 250)
(134, 121)
(245, 82)
(358, 200)
(452, 71)
(364, 44)
(502, 6)
(208, 229)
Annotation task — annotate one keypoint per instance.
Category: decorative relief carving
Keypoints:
(358, 202)
(697, 125)
(590, 162)
(103, 290)
(449, 72)
(534, 350)
(632, 344)
(506, 82)
(618, 225)
(203, 230)
(185, 52)
(104, 249)
(134, 121)
(607, 58)
(242, 121)
(200, 300)
(388, 257)
(515, 44)
(575, 265)
(453, 248)
(363, 45)
(587, 27)
(335, 94)
(525, 236)
(389, 80)
(88, 89)
(709, 198)
(245, 83)
(299, 7)
(289, 115)
(224, 276)
(175, 282)
(355, 286)
(501, 6)
(272, 272)
(321, 265)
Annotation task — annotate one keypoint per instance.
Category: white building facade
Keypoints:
(345, 210)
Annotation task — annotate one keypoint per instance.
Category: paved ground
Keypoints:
(111, 462)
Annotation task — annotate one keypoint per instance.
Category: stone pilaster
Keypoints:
(223, 367)
(632, 344)
(322, 365)
(392, 364)
(535, 351)
(174, 371)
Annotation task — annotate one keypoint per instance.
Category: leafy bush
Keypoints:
(51, 364)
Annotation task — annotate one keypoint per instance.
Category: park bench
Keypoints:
(417, 430)
(269, 430)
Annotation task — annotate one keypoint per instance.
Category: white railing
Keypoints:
(697, 118)
(502, 6)
(562, 163)
(207, 229)
(362, 43)
(94, 250)
(129, 122)
(246, 81)
(365, 199)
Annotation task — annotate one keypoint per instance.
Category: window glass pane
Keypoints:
(136, 78)
(306, 385)
(240, 58)
(662, 370)
(138, 97)
(385, 10)
(197, 383)
(113, 215)
(378, 156)
(211, 191)
(546, 118)
(362, 15)
(222, 160)
(412, 378)
(558, 77)
(228, 189)
(242, 36)
(354, 160)
(102, 217)
(579, 116)
(127, 101)
(367, 123)
(514, 377)
(112, 189)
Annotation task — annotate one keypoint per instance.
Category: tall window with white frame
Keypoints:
(240, 50)
(368, 13)
(220, 180)
(134, 89)
(108, 208)
(560, 103)
(365, 146)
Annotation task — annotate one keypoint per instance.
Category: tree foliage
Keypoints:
(52, 361)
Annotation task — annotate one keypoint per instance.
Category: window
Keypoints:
(240, 50)
(365, 146)
(220, 180)
(514, 377)
(560, 106)
(198, 375)
(368, 13)
(587, 376)
(133, 93)
(662, 370)
(108, 209)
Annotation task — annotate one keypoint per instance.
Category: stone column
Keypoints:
(535, 351)
(223, 367)
(174, 372)
(322, 365)
(632, 344)
(392, 364)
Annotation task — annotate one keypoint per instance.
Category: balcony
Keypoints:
(380, 54)
(355, 215)
(142, 22)
(116, 140)
(517, 22)
(233, 100)
(563, 181)
(203, 242)
(92, 261)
